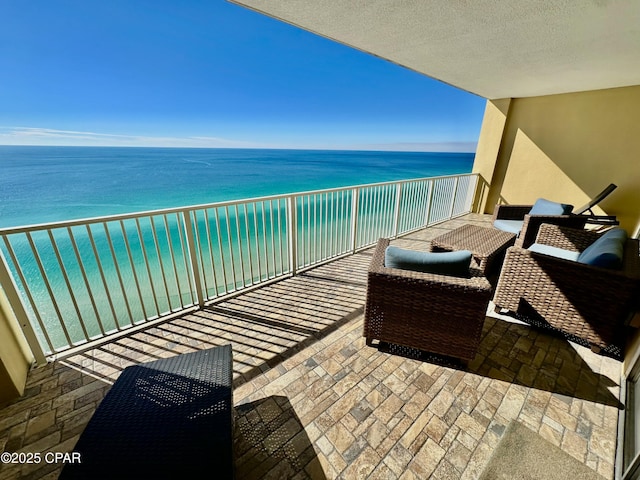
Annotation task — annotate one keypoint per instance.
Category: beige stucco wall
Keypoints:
(564, 148)
(15, 357)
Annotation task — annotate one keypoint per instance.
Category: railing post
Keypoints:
(292, 220)
(355, 194)
(193, 256)
(396, 216)
(473, 194)
(453, 198)
(11, 291)
(427, 214)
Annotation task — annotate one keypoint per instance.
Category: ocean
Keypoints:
(85, 281)
(48, 184)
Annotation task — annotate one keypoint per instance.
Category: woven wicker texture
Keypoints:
(171, 418)
(532, 223)
(486, 244)
(589, 302)
(434, 313)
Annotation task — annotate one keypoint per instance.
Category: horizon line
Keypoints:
(46, 137)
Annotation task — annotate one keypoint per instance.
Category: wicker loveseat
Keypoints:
(430, 312)
(588, 302)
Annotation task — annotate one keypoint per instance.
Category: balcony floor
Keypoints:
(313, 401)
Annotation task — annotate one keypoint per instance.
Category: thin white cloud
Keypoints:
(450, 147)
(55, 137)
(49, 136)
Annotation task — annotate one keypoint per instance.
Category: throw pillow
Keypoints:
(607, 251)
(443, 263)
(547, 207)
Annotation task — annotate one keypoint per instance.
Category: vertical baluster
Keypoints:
(366, 216)
(47, 284)
(183, 220)
(172, 256)
(103, 277)
(221, 250)
(293, 233)
(67, 283)
(376, 220)
(156, 244)
(272, 236)
(344, 247)
(281, 240)
(240, 246)
(200, 251)
(453, 197)
(147, 265)
(397, 210)
(264, 239)
(231, 254)
(340, 226)
(389, 211)
(207, 223)
(427, 215)
(133, 269)
(321, 226)
(85, 278)
(373, 217)
(412, 205)
(326, 225)
(257, 240)
(333, 229)
(248, 235)
(312, 228)
(116, 265)
(354, 217)
(362, 227)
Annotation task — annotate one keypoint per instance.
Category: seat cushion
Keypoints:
(554, 251)
(443, 263)
(511, 226)
(607, 251)
(547, 207)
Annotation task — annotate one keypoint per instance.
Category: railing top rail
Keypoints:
(165, 211)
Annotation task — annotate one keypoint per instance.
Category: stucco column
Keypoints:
(15, 356)
(487, 160)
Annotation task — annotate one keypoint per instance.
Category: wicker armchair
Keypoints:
(531, 223)
(588, 302)
(434, 313)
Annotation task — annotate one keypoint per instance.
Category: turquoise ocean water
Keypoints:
(123, 272)
(46, 184)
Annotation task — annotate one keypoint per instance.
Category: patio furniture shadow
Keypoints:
(270, 442)
(265, 325)
(521, 355)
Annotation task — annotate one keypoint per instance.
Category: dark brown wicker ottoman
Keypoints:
(486, 244)
(171, 418)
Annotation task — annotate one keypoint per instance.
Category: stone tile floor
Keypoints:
(313, 401)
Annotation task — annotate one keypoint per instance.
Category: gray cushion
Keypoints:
(511, 226)
(547, 207)
(607, 251)
(554, 251)
(443, 263)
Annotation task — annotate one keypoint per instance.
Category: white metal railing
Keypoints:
(74, 282)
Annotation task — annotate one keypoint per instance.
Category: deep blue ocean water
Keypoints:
(47, 184)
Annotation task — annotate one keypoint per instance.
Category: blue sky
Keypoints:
(208, 73)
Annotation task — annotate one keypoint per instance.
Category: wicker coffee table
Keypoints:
(485, 243)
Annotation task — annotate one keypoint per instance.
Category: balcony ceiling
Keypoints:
(492, 48)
